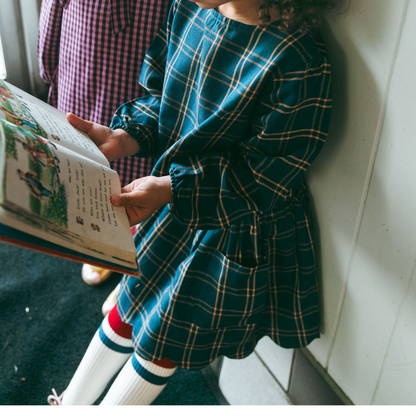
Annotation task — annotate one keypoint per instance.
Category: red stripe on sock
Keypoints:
(117, 325)
(124, 330)
(165, 363)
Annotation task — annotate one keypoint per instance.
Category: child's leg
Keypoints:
(108, 351)
(139, 382)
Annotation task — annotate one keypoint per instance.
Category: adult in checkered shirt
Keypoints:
(91, 53)
(237, 109)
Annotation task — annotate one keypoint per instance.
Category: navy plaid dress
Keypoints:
(235, 115)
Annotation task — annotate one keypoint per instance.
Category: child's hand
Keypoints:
(114, 144)
(144, 196)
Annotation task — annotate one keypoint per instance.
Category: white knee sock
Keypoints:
(138, 383)
(106, 354)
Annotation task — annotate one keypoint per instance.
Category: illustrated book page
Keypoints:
(51, 193)
(32, 114)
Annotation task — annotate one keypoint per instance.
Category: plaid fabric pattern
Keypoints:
(235, 114)
(91, 52)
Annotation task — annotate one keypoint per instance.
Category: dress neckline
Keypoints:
(216, 17)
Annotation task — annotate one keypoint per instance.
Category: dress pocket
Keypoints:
(120, 14)
(221, 293)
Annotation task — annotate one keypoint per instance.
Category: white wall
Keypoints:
(363, 186)
(19, 21)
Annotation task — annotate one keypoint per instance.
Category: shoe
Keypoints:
(93, 275)
(111, 301)
(54, 399)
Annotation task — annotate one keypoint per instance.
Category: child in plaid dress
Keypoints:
(237, 108)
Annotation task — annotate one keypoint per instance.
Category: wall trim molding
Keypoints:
(19, 24)
(310, 383)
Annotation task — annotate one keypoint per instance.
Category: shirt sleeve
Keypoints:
(140, 117)
(290, 124)
(49, 35)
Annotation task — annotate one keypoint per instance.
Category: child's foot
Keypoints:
(93, 275)
(54, 399)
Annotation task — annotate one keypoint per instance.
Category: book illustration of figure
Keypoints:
(80, 220)
(5, 93)
(43, 155)
(19, 120)
(18, 109)
(36, 187)
(8, 98)
(41, 140)
(95, 227)
(17, 112)
(56, 137)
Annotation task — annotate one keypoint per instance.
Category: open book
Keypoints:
(56, 187)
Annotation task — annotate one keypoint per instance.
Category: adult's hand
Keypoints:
(144, 196)
(114, 144)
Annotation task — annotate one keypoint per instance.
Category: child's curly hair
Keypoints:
(305, 15)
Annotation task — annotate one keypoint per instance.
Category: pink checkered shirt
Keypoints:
(91, 52)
